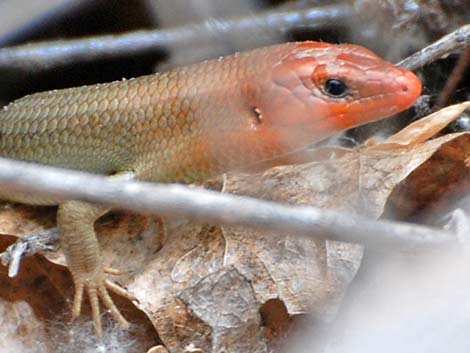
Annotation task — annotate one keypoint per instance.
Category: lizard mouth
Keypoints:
(403, 90)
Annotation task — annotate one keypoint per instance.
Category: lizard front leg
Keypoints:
(82, 252)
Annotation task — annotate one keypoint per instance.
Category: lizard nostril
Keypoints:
(404, 82)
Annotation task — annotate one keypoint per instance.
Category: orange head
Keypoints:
(318, 89)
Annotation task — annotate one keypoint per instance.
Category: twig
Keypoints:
(454, 78)
(45, 55)
(205, 206)
(32, 244)
(450, 43)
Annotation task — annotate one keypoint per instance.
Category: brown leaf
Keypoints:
(157, 283)
(361, 180)
(436, 182)
(427, 127)
(225, 300)
(171, 289)
(21, 219)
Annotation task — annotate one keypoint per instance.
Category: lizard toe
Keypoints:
(95, 310)
(77, 299)
(97, 287)
(119, 290)
(112, 271)
(108, 302)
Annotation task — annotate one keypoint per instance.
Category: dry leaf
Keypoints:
(427, 127)
(437, 182)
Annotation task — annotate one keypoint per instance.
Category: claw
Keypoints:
(98, 289)
(119, 290)
(108, 302)
(77, 300)
(95, 311)
(112, 271)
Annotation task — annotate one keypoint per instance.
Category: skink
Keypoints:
(191, 123)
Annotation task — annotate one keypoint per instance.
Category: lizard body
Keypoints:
(194, 122)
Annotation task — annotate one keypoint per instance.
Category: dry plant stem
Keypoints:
(454, 78)
(46, 55)
(205, 206)
(450, 43)
(33, 243)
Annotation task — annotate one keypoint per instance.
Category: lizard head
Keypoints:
(318, 89)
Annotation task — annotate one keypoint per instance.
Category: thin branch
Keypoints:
(452, 42)
(46, 240)
(205, 206)
(45, 55)
(454, 78)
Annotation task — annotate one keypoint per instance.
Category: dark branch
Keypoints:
(45, 55)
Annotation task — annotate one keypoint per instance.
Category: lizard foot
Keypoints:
(98, 287)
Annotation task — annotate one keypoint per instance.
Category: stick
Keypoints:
(452, 42)
(46, 55)
(205, 206)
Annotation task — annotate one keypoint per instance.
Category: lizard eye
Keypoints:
(335, 88)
